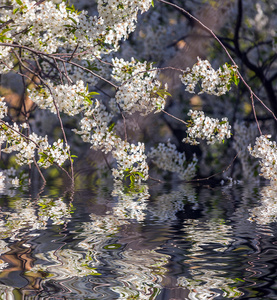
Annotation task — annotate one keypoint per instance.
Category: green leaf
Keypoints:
(236, 79)
(111, 127)
(16, 10)
(139, 173)
(87, 99)
(19, 2)
(3, 38)
(74, 21)
(93, 93)
(238, 279)
(152, 3)
(132, 178)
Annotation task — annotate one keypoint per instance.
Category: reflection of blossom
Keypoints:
(8, 181)
(267, 211)
(207, 282)
(167, 205)
(23, 216)
(3, 249)
(26, 214)
(56, 210)
(3, 264)
(65, 263)
(131, 205)
(207, 233)
(6, 292)
(102, 225)
(97, 233)
(94, 236)
(141, 272)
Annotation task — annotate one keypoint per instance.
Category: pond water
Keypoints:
(181, 242)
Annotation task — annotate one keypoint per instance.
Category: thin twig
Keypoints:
(59, 71)
(255, 115)
(154, 179)
(221, 172)
(38, 168)
(66, 74)
(62, 129)
(174, 117)
(59, 59)
(72, 55)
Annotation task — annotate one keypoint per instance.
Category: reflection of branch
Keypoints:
(155, 179)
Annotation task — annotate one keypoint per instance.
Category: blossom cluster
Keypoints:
(214, 82)
(266, 150)
(121, 16)
(131, 162)
(70, 99)
(139, 90)
(97, 129)
(42, 27)
(166, 157)
(27, 148)
(3, 108)
(50, 27)
(8, 179)
(206, 128)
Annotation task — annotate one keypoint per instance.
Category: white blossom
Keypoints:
(216, 82)
(206, 128)
(166, 157)
(266, 151)
(140, 91)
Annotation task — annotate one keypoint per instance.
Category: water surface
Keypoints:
(181, 242)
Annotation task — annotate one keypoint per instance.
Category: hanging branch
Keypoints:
(57, 110)
(252, 94)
